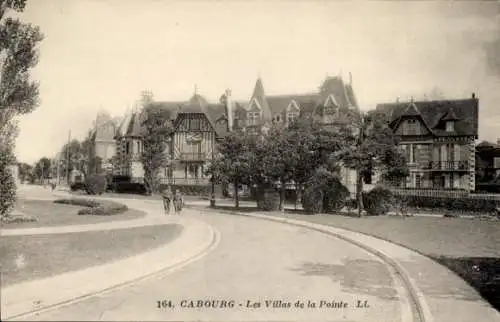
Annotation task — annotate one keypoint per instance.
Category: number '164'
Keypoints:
(164, 304)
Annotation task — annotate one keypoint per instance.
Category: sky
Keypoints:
(100, 54)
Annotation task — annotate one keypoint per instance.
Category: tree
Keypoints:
(371, 145)
(25, 172)
(42, 168)
(156, 131)
(18, 94)
(236, 162)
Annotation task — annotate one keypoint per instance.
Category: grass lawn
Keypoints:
(52, 214)
(26, 258)
(462, 245)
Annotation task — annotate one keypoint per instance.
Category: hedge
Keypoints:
(268, 198)
(457, 204)
(96, 184)
(93, 207)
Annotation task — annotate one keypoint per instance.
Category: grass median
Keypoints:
(49, 213)
(468, 247)
(30, 257)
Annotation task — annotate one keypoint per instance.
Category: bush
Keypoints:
(16, 219)
(130, 187)
(268, 199)
(377, 201)
(96, 184)
(93, 207)
(324, 193)
(7, 185)
(77, 186)
(463, 204)
(312, 200)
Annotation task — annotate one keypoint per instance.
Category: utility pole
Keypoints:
(68, 155)
(359, 178)
(212, 195)
(58, 159)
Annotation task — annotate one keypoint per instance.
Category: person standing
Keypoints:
(178, 201)
(167, 199)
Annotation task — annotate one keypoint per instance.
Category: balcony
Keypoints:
(449, 165)
(193, 156)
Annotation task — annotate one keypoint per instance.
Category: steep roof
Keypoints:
(433, 113)
(260, 96)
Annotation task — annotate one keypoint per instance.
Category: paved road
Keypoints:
(261, 266)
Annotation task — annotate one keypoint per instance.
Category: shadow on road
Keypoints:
(357, 276)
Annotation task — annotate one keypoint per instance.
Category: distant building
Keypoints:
(103, 142)
(438, 139)
(487, 161)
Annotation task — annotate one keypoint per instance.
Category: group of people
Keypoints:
(176, 198)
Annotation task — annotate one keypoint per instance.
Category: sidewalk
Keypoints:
(196, 240)
(441, 295)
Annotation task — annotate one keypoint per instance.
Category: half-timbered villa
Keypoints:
(198, 124)
(438, 139)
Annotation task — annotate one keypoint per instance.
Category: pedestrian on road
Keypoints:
(167, 198)
(178, 201)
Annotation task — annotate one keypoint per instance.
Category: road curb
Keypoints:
(24, 307)
(418, 297)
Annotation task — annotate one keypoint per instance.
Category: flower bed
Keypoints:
(93, 207)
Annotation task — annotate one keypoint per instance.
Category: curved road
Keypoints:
(258, 271)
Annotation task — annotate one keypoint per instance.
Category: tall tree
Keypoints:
(42, 168)
(371, 144)
(18, 93)
(236, 162)
(156, 131)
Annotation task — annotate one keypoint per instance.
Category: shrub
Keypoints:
(77, 186)
(377, 201)
(16, 219)
(130, 187)
(96, 184)
(7, 184)
(324, 193)
(93, 207)
(312, 200)
(268, 199)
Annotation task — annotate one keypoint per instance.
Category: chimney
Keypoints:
(498, 141)
(229, 110)
(473, 95)
(397, 99)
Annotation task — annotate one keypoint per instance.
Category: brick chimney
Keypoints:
(473, 95)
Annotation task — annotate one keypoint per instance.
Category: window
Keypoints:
(291, 116)
(127, 148)
(450, 126)
(410, 127)
(252, 118)
(278, 118)
(418, 181)
(195, 124)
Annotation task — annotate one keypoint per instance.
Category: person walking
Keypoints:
(178, 201)
(167, 199)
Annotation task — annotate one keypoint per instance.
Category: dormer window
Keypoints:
(252, 118)
(450, 126)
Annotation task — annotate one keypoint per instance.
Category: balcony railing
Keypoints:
(449, 165)
(193, 156)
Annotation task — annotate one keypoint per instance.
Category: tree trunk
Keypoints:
(359, 192)
(236, 195)
(298, 195)
(282, 195)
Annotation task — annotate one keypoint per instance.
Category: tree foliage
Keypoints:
(156, 131)
(42, 169)
(18, 93)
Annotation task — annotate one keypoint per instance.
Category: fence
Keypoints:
(177, 181)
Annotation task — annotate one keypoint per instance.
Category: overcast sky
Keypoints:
(101, 54)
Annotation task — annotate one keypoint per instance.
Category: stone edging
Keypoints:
(416, 294)
(24, 307)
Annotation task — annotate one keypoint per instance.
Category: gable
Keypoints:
(193, 122)
(254, 106)
(331, 101)
(293, 106)
(411, 126)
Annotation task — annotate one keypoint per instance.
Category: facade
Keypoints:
(198, 124)
(103, 139)
(487, 161)
(438, 139)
